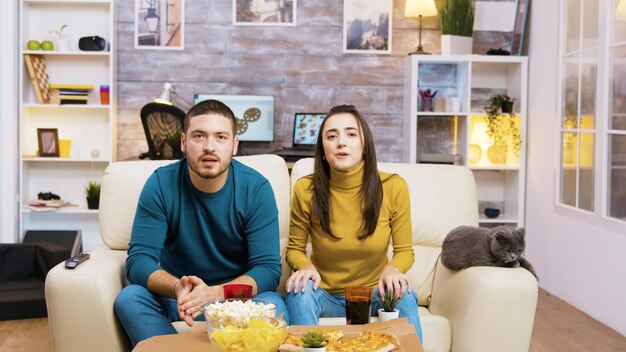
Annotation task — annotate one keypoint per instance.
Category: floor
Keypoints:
(558, 327)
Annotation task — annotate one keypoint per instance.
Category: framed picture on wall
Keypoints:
(264, 13)
(48, 141)
(367, 26)
(521, 12)
(160, 24)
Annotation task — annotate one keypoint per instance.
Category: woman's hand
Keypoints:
(393, 280)
(192, 293)
(301, 277)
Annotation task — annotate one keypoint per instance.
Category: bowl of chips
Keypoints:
(259, 334)
(237, 312)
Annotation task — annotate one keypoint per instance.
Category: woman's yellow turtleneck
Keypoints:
(348, 261)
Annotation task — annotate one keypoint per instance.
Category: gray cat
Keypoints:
(501, 246)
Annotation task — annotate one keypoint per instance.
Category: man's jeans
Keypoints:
(307, 308)
(144, 314)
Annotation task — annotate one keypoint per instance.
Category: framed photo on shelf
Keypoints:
(48, 142)
(264, 13)
(367, 26)
(160, 24)
(521, 12)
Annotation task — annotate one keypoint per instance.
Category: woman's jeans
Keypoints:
(144, 314)
(307, 308)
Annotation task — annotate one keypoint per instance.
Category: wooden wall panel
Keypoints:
(303, 67)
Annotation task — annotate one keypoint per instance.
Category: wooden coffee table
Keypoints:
(198, 340)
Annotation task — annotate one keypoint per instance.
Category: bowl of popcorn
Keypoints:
(237, 312)
(259, 334)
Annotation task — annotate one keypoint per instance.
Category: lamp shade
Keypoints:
(166, 95)
(620, 11)
(416, 8)
(479, 134)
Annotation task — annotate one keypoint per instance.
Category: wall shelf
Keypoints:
(91, 128)
(468, 81)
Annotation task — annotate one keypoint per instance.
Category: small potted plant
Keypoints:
(457, 23)
(63, 43)
(93, 195)
(313, 341)
(497, 106)
(388, 304)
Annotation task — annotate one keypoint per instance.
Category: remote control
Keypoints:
(75, 260)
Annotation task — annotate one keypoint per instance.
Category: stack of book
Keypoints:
(70, 93)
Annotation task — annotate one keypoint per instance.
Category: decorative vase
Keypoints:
(456, 45)
(93, 203)
(63, 44)
(385, 316)
(497, 154)
(314, 349)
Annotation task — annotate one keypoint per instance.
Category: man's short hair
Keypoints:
(211, 106)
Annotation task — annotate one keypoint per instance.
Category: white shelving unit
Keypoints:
(464, 84)
(91, 128)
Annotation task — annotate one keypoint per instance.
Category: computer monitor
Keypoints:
(306, 126)
(254, 113)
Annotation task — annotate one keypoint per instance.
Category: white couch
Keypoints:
(478, 309)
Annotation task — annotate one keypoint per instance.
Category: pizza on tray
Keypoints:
(369, 341)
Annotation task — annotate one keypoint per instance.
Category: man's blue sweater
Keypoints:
(215, 236)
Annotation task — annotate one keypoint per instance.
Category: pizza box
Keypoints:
(197, 340)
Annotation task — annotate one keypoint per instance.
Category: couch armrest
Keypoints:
(489, 309)
(80, 304)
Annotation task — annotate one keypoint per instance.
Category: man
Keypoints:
(201, 222)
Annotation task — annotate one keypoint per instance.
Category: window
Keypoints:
(616, 124)
(593, 107)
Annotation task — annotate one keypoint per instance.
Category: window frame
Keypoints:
(601, 183)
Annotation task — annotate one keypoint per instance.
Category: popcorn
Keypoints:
(238, 312)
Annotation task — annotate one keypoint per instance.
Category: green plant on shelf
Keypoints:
(501, 122)
(59, 33)
(457, 17)
(92, 190)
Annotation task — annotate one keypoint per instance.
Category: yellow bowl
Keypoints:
(261, 334)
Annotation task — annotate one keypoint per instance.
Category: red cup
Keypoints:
(237, 291)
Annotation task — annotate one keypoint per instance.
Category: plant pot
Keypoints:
(385, 316)
(314, 349)
(93, 203)
(456, 45)
(63, 44)
(507, 107)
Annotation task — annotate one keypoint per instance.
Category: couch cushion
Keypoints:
(123, 181)
(432, 188)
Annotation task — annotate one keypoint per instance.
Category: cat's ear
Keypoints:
(522, 231)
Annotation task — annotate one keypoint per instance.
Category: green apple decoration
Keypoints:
(47, 45)
(33, 45)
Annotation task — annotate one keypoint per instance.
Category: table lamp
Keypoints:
(419, 8)
(480, 137)
(166, 94)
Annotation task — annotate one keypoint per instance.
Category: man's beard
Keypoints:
(208, 173)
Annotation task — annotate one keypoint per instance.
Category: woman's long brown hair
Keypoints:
(371, 193)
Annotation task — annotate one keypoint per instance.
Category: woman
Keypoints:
(350, 212)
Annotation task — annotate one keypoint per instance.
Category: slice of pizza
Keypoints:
(369, 341)
(331, 334)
